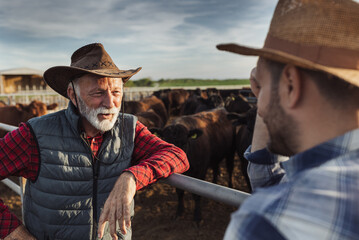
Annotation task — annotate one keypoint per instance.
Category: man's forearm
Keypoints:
(162, 163)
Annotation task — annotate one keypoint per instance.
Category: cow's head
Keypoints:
(35, 108)
(178, 135)
(247, 118)
(237, 103)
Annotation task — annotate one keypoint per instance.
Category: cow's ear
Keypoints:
(237, 118)
(156, 131)
(52, 106)
(194, 134)
(20, 106)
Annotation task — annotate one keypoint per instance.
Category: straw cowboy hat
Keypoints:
(314, 34)
(91, 58)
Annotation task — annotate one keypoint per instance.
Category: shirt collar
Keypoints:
(322, 153)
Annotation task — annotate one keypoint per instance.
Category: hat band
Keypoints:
(326, 56)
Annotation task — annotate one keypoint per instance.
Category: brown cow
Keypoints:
(141, 107)
(157, 106)
(207, 138)
(150, 119)
(14, 115)
(134, 107)
(173, 99)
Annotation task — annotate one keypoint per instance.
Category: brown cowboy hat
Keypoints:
(314, 34)
(91, 58)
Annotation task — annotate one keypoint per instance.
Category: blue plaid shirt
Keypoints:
(312, 195)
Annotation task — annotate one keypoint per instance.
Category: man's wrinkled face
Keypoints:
(99, 100)
(281, 127)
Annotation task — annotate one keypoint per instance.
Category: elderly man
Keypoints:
(86, 160)
(307, 84)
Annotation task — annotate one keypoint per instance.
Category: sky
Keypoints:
(167, 38)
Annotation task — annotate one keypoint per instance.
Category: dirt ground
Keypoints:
(155, 210)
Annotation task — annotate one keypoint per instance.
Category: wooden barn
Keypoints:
(21, 79)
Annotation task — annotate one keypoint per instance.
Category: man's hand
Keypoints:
(254, 83)
(260, 135)
(20, 233)
(118, 205)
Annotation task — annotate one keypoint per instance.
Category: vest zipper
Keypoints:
(95, 170)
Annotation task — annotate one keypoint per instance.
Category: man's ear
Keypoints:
(291, 86)
(71, 95)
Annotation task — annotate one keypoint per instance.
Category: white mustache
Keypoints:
(103, 110)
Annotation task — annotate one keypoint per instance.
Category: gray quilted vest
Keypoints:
(66, 199)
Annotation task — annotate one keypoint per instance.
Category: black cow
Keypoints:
(244, 135)
(237, 103)
(207, 138)
(195, 104)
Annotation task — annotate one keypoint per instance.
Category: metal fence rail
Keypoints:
(205, 189)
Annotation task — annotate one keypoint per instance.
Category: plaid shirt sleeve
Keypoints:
(19, 156)
(154, 158)
(264, 168)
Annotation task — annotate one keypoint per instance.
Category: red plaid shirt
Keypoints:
(152, 158)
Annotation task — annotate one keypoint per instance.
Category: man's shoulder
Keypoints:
(129, 118)
(126, 116)
(51, 117)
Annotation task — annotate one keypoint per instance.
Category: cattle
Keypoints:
(237, 103)
(150, 119)
(157, 106)
(198, 92)
(247, 92)
(2, 103)
(141, 108)
(14, 115)
(172, 99)
(245, 126)
(195, 104)
(228, 92)
(134, 107)
(206, 137)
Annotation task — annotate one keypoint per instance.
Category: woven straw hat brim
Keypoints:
(349, 75)
(59, 77)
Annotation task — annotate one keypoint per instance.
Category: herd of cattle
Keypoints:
(209, 125)
(15, 114)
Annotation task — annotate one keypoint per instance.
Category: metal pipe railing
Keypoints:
(12, 185)
(206, 189)
(7, 127)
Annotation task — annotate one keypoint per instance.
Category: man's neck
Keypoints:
(90, 130)
(322, 126)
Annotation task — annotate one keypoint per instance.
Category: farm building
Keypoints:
(21, 79)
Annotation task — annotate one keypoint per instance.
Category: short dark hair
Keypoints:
(336, 90)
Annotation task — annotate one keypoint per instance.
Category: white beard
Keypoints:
(91, 115)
